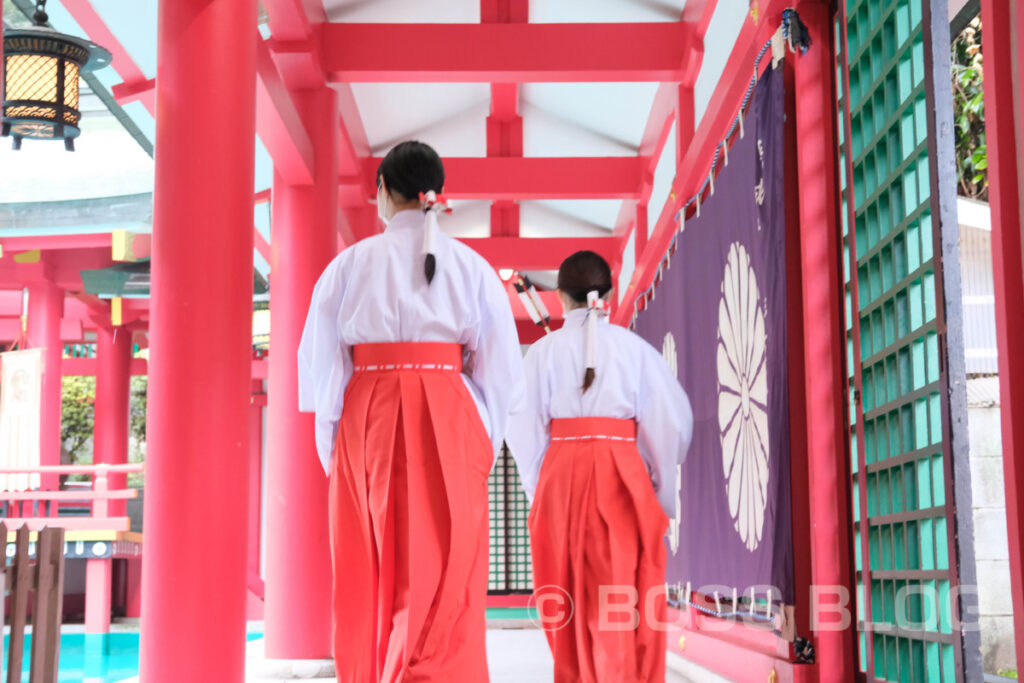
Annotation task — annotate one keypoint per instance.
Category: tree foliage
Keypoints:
(78, 420)
(78, 416)
(969, 113)
(138, 408)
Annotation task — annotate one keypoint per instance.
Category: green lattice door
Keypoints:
(902, 324)
(511, 570)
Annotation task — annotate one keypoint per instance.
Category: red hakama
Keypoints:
(409, 519)
(596, 522)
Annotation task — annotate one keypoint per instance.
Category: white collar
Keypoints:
(578, 316)
(407, 219)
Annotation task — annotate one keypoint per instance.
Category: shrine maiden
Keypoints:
(605, 423)
(410, 359)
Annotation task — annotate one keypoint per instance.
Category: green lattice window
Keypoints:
(904, 554)
(510, 568)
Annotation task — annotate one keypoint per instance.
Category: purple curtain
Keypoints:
(720, 317)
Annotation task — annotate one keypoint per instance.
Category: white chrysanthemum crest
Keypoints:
(743, 396)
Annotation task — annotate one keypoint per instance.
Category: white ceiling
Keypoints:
(596, 11)
(404, 11)
(468, 11)
(559, 119)
(451, 117)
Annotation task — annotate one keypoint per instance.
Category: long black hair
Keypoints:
(581, 273)
(411, 168)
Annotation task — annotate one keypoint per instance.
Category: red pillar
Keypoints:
(45, 309)
(113, 388)
(298, 565)
(640, 231)
(1004, 124)
(823, 340)
(110, 446)
(504, 124)
(193, 606)
(133, 588)
(259, 401)
(98, 586)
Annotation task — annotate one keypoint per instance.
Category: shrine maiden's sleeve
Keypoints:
(529, 433)
(664, 424)
(325, 364)
(496, 360)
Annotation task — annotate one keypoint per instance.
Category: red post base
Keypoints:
(98, 575)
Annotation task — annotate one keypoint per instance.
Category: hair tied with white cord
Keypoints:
(596, 307)
(432, 204)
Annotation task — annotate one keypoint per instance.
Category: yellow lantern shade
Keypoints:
(41, 72)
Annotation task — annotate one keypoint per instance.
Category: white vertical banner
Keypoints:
(21, 380)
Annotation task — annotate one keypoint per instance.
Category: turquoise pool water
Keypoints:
(98, 659)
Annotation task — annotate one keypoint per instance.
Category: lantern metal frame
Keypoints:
(45, 119)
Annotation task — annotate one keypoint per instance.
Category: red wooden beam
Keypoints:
(522, 178)
(529, 332)
(134, 79)
(693, 169)
(353, 145)
(1003, 123)
(277, 120)
(136, 91)
(504, 131)
(298, 62)
(293, 19)
(504, 125)
(696, 13)
(260, 368)
(262, 246)
(87, 366)
(504, 11)
(278, 123)
(510, 53)
(356, 190)
(540, 253)
(72, 523)
(659, 124)
(10, 328)
(12, 245)
(94, 305)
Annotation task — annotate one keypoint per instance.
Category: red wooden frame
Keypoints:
(739, 652)
(1004, 122)
(518, 178)
(504, 53)
(693, 169)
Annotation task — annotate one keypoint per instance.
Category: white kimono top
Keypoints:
(632, 380)
(376, 292)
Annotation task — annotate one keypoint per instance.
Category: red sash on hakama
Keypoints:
(409, 519)
(596, 522)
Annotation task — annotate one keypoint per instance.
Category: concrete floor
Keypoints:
(522, 656)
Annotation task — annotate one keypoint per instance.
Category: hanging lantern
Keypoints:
(41, 70)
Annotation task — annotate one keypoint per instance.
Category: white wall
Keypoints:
(978, 286)
(990, 541)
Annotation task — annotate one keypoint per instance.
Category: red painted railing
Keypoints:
(41, 508)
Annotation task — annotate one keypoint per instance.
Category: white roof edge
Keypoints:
(972, 213)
